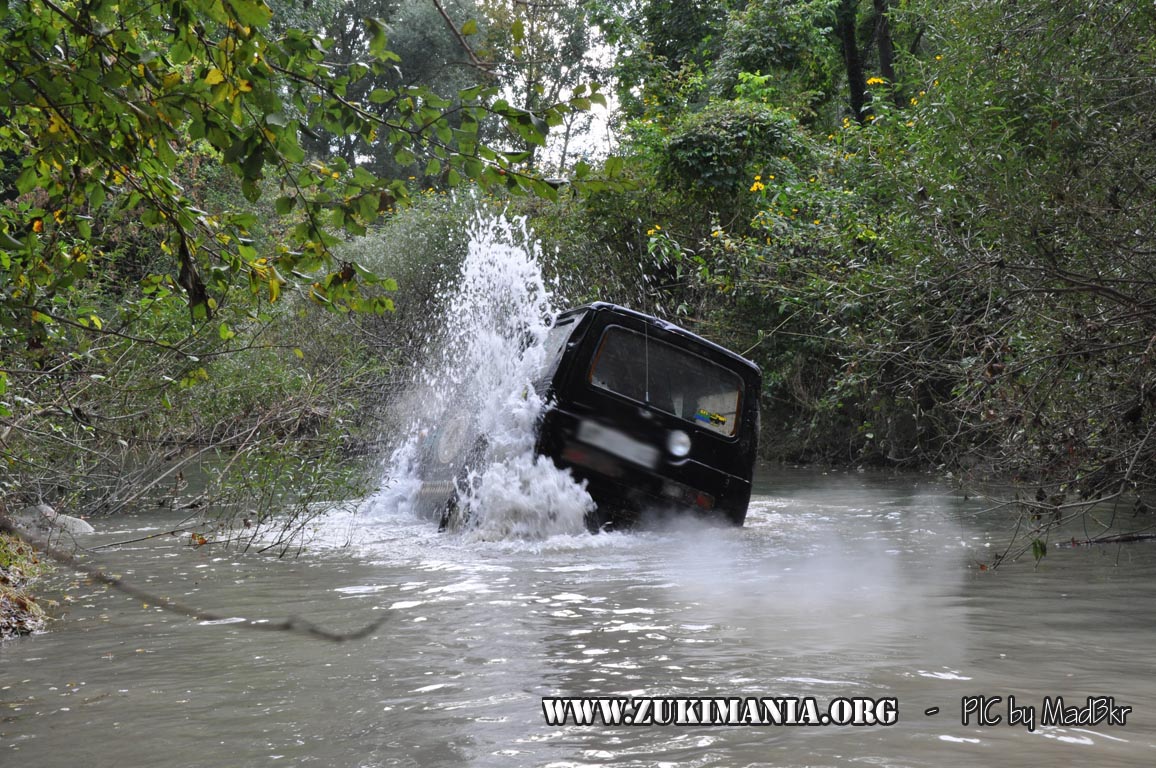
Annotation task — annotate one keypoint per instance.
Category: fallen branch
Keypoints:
(289, 624)
(1119, 538)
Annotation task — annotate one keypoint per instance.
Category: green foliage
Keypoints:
(791, 43)
(164, 231)
(420, 247)
(663, 49)
(100, 105)
(1016, 161)
(19, 567)
(19, 557)
(542, 52)
(960, 280)
(718, 148)
(426, 57)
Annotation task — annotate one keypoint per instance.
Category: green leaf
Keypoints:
(27, 180)
(470, 28)
(252, 13)
(1039, 549)
(378, 41)
(9, 243)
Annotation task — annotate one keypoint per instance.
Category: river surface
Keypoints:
(841, 584)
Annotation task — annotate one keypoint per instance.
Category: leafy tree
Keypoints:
(132, 271)
(542, 53)
(664, 48)
(788, 45)
(101, 99)
(429, 56)
(1022, 150)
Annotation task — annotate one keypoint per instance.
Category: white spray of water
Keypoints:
(474, 396)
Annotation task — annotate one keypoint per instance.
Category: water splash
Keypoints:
(473, 406)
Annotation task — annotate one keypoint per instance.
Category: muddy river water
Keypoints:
(840, 585)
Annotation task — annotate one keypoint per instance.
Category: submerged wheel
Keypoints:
(453, 515)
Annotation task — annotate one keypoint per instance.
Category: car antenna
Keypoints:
(646, 355)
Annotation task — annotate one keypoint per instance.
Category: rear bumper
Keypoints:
(627, 491)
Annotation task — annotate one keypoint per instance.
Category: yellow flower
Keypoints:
(914, 101)
(758, 186)
(875, 81)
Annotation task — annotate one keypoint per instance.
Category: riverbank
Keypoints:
(20, 614)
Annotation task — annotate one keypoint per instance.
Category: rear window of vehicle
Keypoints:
(667, 378)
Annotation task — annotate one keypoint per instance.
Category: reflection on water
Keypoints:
(839, 585)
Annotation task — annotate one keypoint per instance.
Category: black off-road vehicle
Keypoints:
(655, 419)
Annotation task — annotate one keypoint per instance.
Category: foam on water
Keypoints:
(475, 390)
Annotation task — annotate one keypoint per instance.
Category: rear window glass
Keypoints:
(667, 378)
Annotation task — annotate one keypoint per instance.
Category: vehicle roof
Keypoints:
(604, 306)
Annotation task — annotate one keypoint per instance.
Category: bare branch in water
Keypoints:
(289, 624)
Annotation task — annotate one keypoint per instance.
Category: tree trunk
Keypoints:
(886, 48)
(845, 18)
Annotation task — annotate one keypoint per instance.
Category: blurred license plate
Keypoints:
(617, 443)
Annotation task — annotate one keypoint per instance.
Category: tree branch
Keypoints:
(465, 44)
(288, 624)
